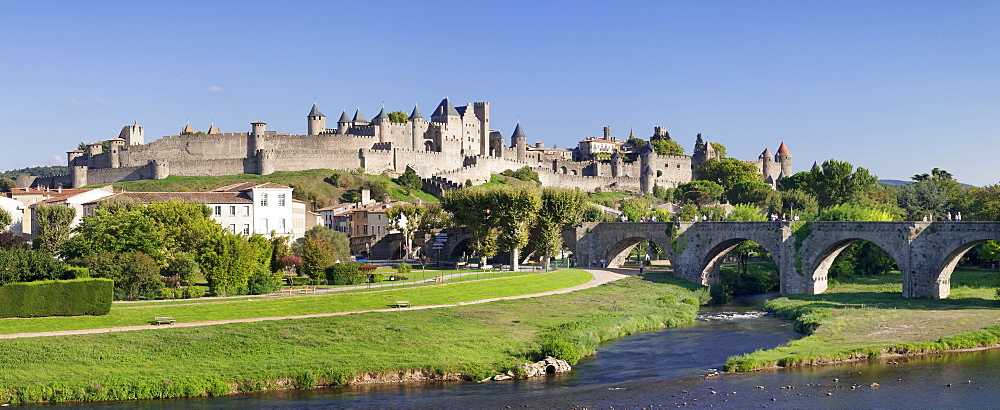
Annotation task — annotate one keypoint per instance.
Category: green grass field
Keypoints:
(258, 307)
(473, 341)
(869, 318)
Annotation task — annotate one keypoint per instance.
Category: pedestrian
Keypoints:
(641, 265)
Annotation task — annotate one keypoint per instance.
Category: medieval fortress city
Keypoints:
(455, 145)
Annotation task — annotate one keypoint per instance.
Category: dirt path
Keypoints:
(600, 277)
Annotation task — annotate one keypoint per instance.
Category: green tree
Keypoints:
(514, 210)
(719, 148)
(5, 219)
(635, 208)
(838, 182)
(410, 180)
(471, 208)
(983, 204)
(794, 202)
(117, 227)
(407, 219)
(184, 266)
(28, 265)
(53, 227)
(317, 255)
(398, 117)
(434, 217)
(594, 213)
(750, 192)
(379, 189)
(929, 197)
(279, 249)
(228, 261)
(728, 172)
(341, 244)
(698, 192)
(185, 225)
(136, 274)
(559, 208)
(802, 181)
(665, 146)
(6, 184)
(746, 213)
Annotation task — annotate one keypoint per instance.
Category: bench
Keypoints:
(402, 303)
(165, 320)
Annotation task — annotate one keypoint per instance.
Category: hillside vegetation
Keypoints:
(318, 187)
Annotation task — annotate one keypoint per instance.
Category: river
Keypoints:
(669, 368)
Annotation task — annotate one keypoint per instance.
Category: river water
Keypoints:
(669, 368)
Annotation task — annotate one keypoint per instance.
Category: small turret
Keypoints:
(785, 158)
(213, 130)
(416, 115)
(187, 130)
(257, 128)
(616, 163)
(519, 142)
(316, 121)
(115, 147)
(344, 124)
(765, 156)
(381, 121)
(646, 179)
(660, 133)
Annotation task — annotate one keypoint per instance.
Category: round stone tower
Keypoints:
(316, 121)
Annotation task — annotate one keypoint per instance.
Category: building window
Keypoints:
(281, 199)
(218, 210)
(246, 211)
(263, 226)
(281, 223)
(246, 229)
(263, 199)
(232, 210)
(232, 228)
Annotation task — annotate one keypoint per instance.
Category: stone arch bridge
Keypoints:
(925, 252)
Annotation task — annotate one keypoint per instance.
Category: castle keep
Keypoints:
(454, 145)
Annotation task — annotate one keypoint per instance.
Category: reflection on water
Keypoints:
(673, 367)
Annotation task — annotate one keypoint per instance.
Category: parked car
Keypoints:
(360, 258)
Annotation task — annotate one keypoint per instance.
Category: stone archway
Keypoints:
(711, 262)
(821, 268)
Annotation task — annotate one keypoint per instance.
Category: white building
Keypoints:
(16, 209)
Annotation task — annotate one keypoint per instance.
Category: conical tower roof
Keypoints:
(518, 132)
(815, 166)
(213, 130)
(783, 150)
(765, 154)
(616, 155)
(382, 115)
(647, 170)
(648, 149)
(631, 133)
(416, 113)
(314, 112)
(358, 116)
(344, 117)
(187, 129)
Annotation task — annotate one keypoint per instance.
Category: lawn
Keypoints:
(264, 307)
(471, 342)
(869, 318)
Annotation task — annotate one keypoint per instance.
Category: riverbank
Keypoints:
(869, 320)
(468, 342)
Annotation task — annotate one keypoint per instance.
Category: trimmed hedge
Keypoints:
(72, 297)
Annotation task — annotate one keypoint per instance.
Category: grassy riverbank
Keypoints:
(469, 342)
(869, 318)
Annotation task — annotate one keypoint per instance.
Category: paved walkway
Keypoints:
(600, 277)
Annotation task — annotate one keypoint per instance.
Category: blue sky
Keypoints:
(897, 87)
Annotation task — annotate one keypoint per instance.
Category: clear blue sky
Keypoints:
(897, 87)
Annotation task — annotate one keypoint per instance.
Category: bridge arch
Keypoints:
(943, 248)
(711, 260)
(821, 267)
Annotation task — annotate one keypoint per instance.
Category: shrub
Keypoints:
(345, 274)
(263, 282)
(57, 298)
(403, 268)
(192, 292)
(375, 277)
(183, 266)
(136, 275)
(168, 293)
